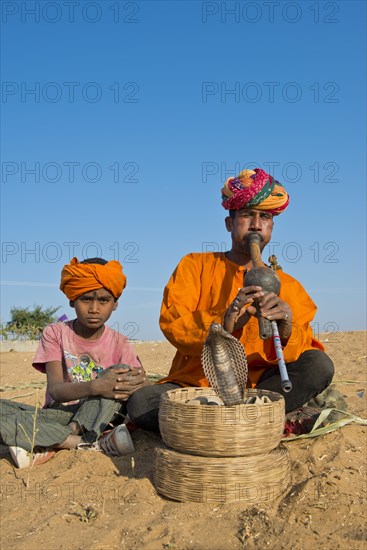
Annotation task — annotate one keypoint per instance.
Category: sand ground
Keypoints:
(82, 500)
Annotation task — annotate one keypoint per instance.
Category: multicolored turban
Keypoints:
(78, 279)
(254, 189)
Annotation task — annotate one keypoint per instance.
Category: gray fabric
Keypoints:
(143, 405)
(310, 375)
(94, 416)
(17, 420)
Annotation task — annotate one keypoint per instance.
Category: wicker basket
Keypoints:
(251, 480)
(206, 430)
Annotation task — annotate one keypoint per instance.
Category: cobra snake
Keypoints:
(225, 365)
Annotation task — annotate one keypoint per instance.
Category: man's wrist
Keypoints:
(285, 331)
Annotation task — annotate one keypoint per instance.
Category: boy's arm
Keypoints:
(116, 383)
(60, 390)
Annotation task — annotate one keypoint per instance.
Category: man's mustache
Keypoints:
(246, 239)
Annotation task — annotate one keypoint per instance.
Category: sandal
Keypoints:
(116, 442)
(301, 421)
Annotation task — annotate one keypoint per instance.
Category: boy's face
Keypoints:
(94, 308)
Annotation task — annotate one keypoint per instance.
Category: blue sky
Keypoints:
(121, 121)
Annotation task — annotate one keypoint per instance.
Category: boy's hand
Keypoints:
(130, 381)
(119, 382)
(104, 385)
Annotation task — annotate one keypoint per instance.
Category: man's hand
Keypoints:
(275, 309)
(271, 307)
(242, 308)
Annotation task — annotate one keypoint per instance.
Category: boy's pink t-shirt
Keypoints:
(81, 359)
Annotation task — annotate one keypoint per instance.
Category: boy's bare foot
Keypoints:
(75, 428)
(71, 442)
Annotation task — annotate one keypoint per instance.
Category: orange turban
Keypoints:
(78, 279)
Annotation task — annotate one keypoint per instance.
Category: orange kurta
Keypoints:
(199, 293)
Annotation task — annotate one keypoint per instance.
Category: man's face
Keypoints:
(245, 222)
(94, 308)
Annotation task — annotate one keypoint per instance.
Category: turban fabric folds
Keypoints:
(254, 189)
(78, 279)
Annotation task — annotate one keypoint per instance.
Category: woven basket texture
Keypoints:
(251, 480)
(207, 430)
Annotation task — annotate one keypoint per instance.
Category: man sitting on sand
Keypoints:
(91, 371)
(208, 287)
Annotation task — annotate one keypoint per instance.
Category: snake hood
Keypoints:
(225, 364)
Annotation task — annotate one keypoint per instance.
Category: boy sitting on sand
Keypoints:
(91, 371)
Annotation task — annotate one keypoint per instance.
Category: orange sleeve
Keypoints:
(182, 320)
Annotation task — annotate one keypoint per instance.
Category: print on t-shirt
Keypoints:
(82, 368)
